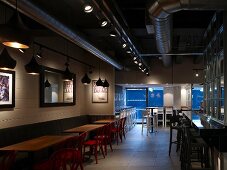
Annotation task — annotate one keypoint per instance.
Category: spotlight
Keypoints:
(197, 74)
(113, 34)
(124, 45)
(88, 8)
(140, 64)
(103, 22)
(128, 51)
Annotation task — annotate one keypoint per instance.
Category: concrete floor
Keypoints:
(139, 152)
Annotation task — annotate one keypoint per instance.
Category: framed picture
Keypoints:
(7, 89)
(99, 93)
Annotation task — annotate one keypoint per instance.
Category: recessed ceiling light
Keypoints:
(88, 8)
(197, 74)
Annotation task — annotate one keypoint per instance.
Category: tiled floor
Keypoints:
(139, 152)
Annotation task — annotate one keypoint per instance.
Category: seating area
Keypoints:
(66, 148)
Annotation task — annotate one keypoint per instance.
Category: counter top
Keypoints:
(213, 132)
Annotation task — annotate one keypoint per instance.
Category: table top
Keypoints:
(105, 121)
(84, 128)
(37, 143)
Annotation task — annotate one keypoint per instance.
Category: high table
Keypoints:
(84, 128)
(152, 116)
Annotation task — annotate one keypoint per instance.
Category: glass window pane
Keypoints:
(155, 97)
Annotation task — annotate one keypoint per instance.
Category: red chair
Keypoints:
(108, 139)
(7, 160)
(95, 143)
(72, 155)
(116, 129)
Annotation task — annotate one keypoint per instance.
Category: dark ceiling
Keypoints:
(188, 26)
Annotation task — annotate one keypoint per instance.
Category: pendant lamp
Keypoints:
(68, 76)
(86, 80)
(47, 83)
(99, 82)
(15, 34)
(6, 61)
(105, 83)
(33, 67)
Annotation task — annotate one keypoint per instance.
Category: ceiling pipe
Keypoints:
(42, 17)
(160, 14)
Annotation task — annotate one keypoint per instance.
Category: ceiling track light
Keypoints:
(135, 61)
(128, 51)
(88, 8)
(103, 22)
(86, 80)
(6, 61)
(113, 34)
(140, 64)
(124, 45)
(33, 67)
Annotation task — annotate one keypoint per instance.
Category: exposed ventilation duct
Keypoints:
(159, 13)
(37, 14)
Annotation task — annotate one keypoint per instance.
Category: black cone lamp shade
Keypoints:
(33, 67)
(68, 76)
(99, 82)
(105, 83)
(6, 61)
(15, 34)
(47, 83)
(86, 80)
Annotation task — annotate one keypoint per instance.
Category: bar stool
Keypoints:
(175, 125)
(146, 121)
(194, 152)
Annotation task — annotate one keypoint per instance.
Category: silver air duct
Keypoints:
(159, 13)
(56, 26)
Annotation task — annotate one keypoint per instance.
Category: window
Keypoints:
(155, 97)
(197, 98)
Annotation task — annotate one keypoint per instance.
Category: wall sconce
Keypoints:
(6, 61)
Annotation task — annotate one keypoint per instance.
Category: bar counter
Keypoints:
(213, 132)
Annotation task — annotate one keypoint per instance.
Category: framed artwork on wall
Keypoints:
(99, 93)
(7, 89)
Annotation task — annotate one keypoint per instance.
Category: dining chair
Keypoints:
(97, 141)
(7, 160)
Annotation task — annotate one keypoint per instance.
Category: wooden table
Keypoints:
(84, 128)
(36, 144)
(104, 121)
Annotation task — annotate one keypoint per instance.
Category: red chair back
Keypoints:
(64, 158)
(7, 160)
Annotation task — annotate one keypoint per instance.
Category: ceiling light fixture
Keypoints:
(88, 8)
(68, 76)
(103, 22)
(6, 61)
(47, 83)
(105, 83)
(140, 64)
(33, 67)
(99, 82)
(135, 61)
(86, 80)
(124, 45)
(128, 51)
(113, 34)
(14, 33)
